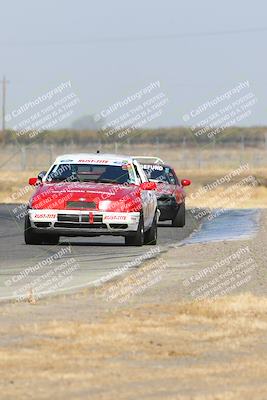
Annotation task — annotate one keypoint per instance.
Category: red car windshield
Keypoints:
(89, 173)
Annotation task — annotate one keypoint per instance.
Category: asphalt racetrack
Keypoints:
(80, 262)
(86, 260)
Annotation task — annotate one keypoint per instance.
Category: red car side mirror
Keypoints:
(148, 186)
(33, 181)
(185, 182)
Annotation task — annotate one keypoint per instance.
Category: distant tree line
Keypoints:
(249, 136)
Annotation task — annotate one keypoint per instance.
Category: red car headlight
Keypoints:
(132, 205)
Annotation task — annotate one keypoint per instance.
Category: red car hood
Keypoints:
(62, 195)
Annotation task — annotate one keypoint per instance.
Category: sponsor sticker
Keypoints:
(41, 216)
(152, 167)
(115, 217)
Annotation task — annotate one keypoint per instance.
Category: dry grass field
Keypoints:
(154, 351)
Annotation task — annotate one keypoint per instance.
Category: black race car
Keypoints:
(170, 190)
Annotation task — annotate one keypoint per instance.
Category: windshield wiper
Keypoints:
(99, 180)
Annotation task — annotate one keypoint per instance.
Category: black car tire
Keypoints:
(29, 236)
(152, 234)
(34, 238)
(138, 238)
(179, 220)
(50, 239)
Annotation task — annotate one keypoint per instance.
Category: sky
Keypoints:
(111, 49)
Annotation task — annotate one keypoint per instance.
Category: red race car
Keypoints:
(92, 195)
(170, 190)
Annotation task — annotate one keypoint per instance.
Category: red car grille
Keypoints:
(79, 218)
(88, 205)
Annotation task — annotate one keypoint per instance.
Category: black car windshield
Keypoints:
(90, 173)
(159, 173)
